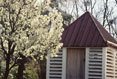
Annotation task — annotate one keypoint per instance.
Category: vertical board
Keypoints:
(64, 63)
(86, 63)
(93, 63)
(75, 63)
(56, 66)
(104, 56)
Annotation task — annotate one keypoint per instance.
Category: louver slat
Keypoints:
(95, 63)
(116, 64)
(110, 65)
(55, 66)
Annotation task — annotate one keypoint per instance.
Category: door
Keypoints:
(75, 63)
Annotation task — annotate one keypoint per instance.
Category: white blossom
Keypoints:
(31, 32)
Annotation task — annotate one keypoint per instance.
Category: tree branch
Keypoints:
(105, 11)
(12, 65)
(13, 48)
(5, 52)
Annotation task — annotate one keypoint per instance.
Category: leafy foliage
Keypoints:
(31, 70)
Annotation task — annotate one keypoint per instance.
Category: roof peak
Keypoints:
(98, 25)
(86, 31)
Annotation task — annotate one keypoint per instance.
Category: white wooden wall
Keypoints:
(101, 63)
(95, 63)
(56, 66)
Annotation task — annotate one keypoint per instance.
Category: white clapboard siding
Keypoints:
(93, 63)
(110, 64)
(56, 66)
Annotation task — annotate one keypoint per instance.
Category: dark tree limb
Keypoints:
(2, 46)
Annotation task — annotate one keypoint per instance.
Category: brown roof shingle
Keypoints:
(86, 31)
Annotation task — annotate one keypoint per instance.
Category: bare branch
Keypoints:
(92, 5)
(76, 8)
(105, 11)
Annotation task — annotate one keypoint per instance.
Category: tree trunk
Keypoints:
(7, 67)
(42, 71)
(20, 71)
(21, 67)
(6, 74)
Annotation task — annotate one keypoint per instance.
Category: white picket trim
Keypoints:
(86, 62)
(64, 63)
(104, 53)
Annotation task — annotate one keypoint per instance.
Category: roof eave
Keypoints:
(112, 44)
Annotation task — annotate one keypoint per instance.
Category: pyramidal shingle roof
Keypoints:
(86, 31)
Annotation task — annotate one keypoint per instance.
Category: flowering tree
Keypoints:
(28, 28)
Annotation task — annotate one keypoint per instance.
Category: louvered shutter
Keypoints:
(56, 66)
(110, 65)
(115, 64)
(93, 63)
